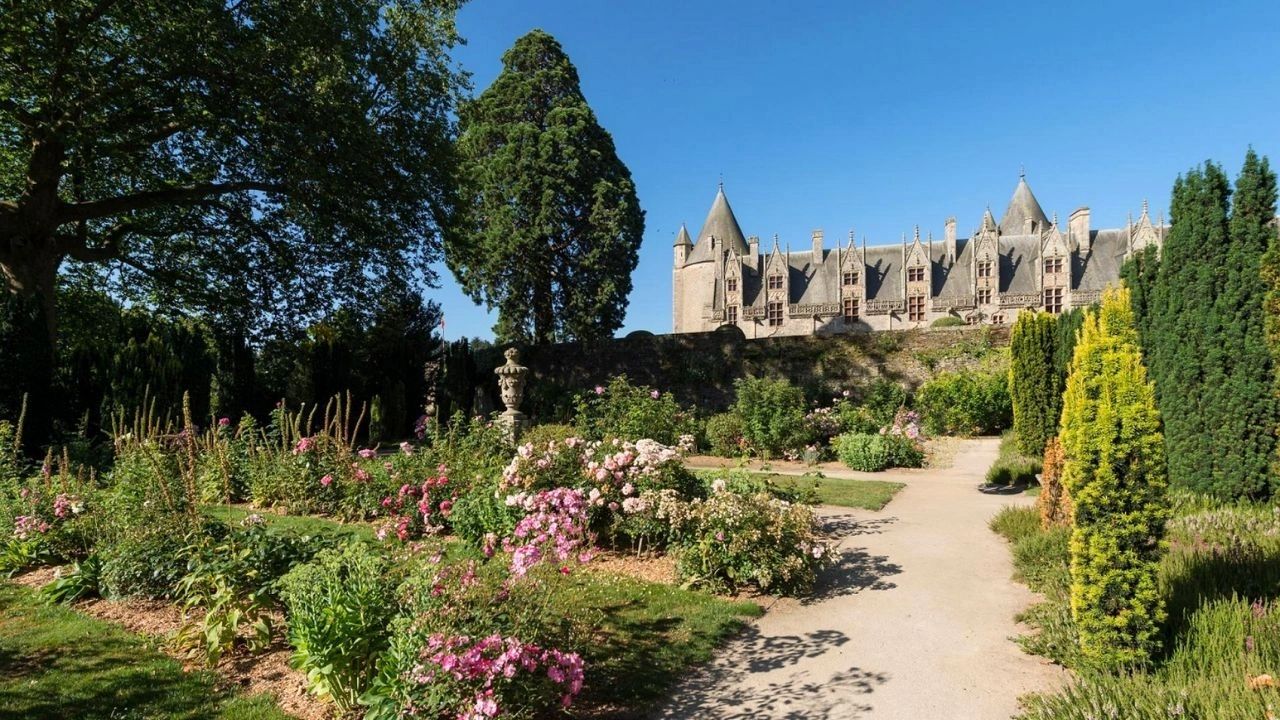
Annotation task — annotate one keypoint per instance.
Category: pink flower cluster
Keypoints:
(555, 525)
(304, 446)
(485, 663)
(25, 526)
(65, 505)
(419, 509)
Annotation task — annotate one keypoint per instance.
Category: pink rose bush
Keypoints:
(554, 527)
(418, 509)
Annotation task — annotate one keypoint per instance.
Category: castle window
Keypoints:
(997, 319)
(984, 268)
(971, 319)
(984, 296)
(915, 308)
(1053, 300)
(731, 314)
(850, 308)
(850, 278)
(915, 274)
(731, 284)
(775, 282)
(1052, 266)
(773, 311)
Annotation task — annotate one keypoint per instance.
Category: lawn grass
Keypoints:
(302, 524)
(845, 492)
(57, 663)
(648, 636)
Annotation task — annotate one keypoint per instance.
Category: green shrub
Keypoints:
(1115, 475)
(873, 453)
(147, 556)
(540, 435)
(878, 403)
(1034, 383)
(772, 413)
(965, 402)
(1011, 467)
(84, 580)
(482, 511)
(1015, 523)
(948, 321)
(726, 435)
(631, 412)
(338, 608)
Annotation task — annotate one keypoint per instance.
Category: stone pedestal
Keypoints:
(511, 380)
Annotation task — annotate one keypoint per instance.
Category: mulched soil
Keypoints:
(263, 672)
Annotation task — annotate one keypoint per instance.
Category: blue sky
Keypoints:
(883, 115)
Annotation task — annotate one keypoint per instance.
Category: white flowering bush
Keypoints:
(728, 540)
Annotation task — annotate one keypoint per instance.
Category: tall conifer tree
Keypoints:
(1034, 384)
(550, 228)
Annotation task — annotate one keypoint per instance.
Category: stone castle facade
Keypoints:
(1023, 262)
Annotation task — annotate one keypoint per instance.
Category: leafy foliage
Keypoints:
(338, 609)
(772, 412)
(965, 402)
(876, 452)
(623, 410)
(550, 225)
(1114, 472)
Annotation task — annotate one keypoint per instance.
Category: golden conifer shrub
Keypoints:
(1114, 472)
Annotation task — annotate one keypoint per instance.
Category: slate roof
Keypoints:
(1023, 206)
(722, 224)
(682, 237)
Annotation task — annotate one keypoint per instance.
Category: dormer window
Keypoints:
(775, 282)
(850, 278)
(1052, 265)
(984, 268)
(731, 284)
(915, 274)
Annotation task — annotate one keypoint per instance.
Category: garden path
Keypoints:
(914, 622)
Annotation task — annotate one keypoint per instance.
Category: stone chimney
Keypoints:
(753, 245)
(949, 240)
(817, 247)
(1078, 231)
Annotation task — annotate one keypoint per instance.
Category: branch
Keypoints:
(109, 249)
(193, 195)
(25, 118)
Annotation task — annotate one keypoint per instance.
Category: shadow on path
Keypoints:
(797, 695)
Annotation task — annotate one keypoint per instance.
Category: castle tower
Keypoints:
(698, 281)
(1024, 215)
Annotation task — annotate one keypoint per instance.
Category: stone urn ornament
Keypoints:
(511, 380)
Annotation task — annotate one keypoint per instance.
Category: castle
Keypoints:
(1023, 262)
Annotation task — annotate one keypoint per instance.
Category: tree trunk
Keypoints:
(31, 350)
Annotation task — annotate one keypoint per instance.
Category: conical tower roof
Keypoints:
(721, 224)
(1022, 207)
(682, 237)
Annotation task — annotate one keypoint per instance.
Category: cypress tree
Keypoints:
(1243, 409)
(1203, 329)
(1184, 346)
(1034, 384)
(1064, 346)
(550, 227)
(1114, 472)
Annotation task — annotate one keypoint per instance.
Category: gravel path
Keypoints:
(913, 623)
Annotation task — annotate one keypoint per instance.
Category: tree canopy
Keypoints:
(259, 159)
(550, 226)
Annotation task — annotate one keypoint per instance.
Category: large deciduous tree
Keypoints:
(550, 225)
(261, 159)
